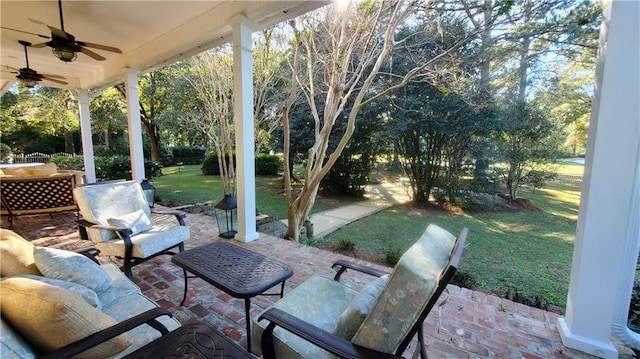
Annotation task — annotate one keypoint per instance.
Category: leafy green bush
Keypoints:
(109, 167)
(210, 164)
(5, 152)
(392, 255)
(345, 246)
(188, 155)
(69, 163)
(267, 165)
(349, 175)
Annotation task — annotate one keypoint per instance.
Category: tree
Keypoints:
(338, 52)
(271, 77)
(155, 91)
(40, 119)
(210, 74)
(108, 116)
(527, 145)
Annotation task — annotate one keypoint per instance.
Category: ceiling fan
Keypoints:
(30, 77)
(65, 46)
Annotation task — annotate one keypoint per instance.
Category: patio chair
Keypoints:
(117, 219)
(323, 318)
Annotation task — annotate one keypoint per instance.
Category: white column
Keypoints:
(244, 123)
(611, 158)
(85, 133)
(135, 126)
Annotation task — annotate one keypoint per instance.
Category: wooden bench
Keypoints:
(37, 195)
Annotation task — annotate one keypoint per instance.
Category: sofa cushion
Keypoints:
(71, 267)
(42, 170)
(16, 255)
(137, 221)
(359, 308)
(120, 287)
(12, 344)
(50, 317)
(17, 171)
(87, 294)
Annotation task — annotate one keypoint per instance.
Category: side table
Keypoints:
(198, 340)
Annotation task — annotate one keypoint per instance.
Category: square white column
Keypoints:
(244, 126)
(85, 133)
(607, 189)
(135, 125)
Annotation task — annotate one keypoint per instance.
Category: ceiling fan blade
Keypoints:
(91, 54)
(54, 80)
(59, 33)
(53, 76)
(42, 44)
(26, 32)
(9, 68)
(35, 21)
(101, 47)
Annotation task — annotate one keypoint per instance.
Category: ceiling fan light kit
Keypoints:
(27, 81)
(64, 53)
(30, 77)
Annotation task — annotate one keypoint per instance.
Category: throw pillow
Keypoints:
(71, 267)
(16, 255)
(42, 170)
(137, 221)
(49, 317)
(87, 294)
(359, 308)
(18, 172)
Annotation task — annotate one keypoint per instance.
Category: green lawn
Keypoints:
(529, 251)
(187, 185)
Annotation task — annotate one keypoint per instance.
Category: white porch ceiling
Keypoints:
(150, 33)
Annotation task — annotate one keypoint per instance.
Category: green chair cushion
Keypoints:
(412, 283)
(359, 308)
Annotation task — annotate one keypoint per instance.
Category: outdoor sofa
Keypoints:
(37, 189)
(53, 298)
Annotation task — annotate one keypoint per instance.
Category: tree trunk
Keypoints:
(68, 141)
(154, 139)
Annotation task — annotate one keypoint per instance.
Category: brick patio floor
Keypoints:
(469, 324)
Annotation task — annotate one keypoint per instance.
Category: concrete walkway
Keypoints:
(377, 198)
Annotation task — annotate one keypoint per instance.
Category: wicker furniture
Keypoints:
(37, 195)
(236, 270)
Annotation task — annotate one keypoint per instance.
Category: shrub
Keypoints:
(210, 164)
(349, 175)
(345, 246)
(392, 255)
(188, 155)
(69, 163)
(267, 165)
(5, 152)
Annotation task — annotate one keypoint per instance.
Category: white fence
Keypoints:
(37, 157)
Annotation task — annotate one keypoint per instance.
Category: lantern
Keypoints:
(149, 192)
(226, 214)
